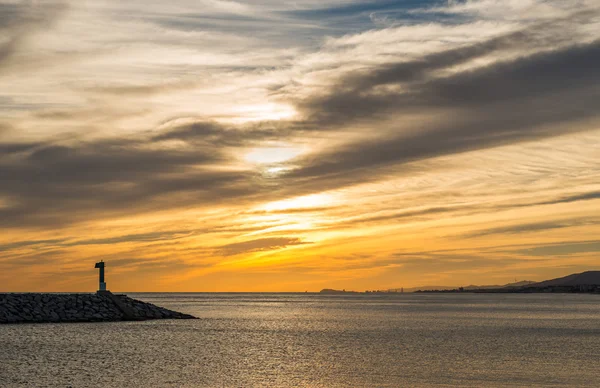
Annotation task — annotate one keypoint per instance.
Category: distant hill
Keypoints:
(470, 287)
(588, 278)
(520, 284)
(585, 282)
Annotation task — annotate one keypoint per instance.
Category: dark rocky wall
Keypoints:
(39, 308)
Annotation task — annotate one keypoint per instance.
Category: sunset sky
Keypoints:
(274, 145)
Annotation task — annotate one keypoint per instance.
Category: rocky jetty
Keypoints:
(100, 307)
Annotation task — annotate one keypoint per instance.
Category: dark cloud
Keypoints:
(568, 248)
(63, 243)
(14, 148)
(226, 136)
(28, 244)
(18, 21)
(362, 95)
(565, 70)
(558, 200)
(397, 216)
(56, 184)
(411, 71)
(526, 99)
(140, 237)
(34, 258)
(263, 244)
(532, 227)
(142, 90)
(504, 250)
(216, 134)
(573, 198)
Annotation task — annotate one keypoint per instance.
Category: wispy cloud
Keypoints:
(20, 21)
(197, 137)
(263, 244)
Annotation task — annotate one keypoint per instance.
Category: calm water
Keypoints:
(300, 340)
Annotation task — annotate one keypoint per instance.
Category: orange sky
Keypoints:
(292, 146)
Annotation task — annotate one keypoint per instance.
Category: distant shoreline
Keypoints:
(579, 283)
(592, 289)
(528, 290)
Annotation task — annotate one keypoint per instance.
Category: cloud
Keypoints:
(19, 21)
(356, 15)
(63, 183)
(150, 264)
(532, 38)
(500, 104)
(139, 237)
(532, 227)
(397, 216)
(263, 244)
(444, 263)
(35, 258)
(567, 248)
(224, 136)
(65, 243)
(445, 122)
(573, 198)
(28, 244)
(15, 148)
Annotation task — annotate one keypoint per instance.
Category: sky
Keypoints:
(276, 145)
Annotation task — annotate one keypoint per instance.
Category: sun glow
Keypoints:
(264, 112)
(275, 171)
(304, 202)
(272, 155)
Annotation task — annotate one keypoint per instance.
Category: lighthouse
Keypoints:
(100, 266)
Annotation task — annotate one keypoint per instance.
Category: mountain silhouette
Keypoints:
(588, 278)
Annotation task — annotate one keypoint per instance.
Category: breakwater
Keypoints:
(103, 306)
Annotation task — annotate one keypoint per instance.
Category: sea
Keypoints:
(317, 340)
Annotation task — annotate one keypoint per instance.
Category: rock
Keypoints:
(16, 308)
